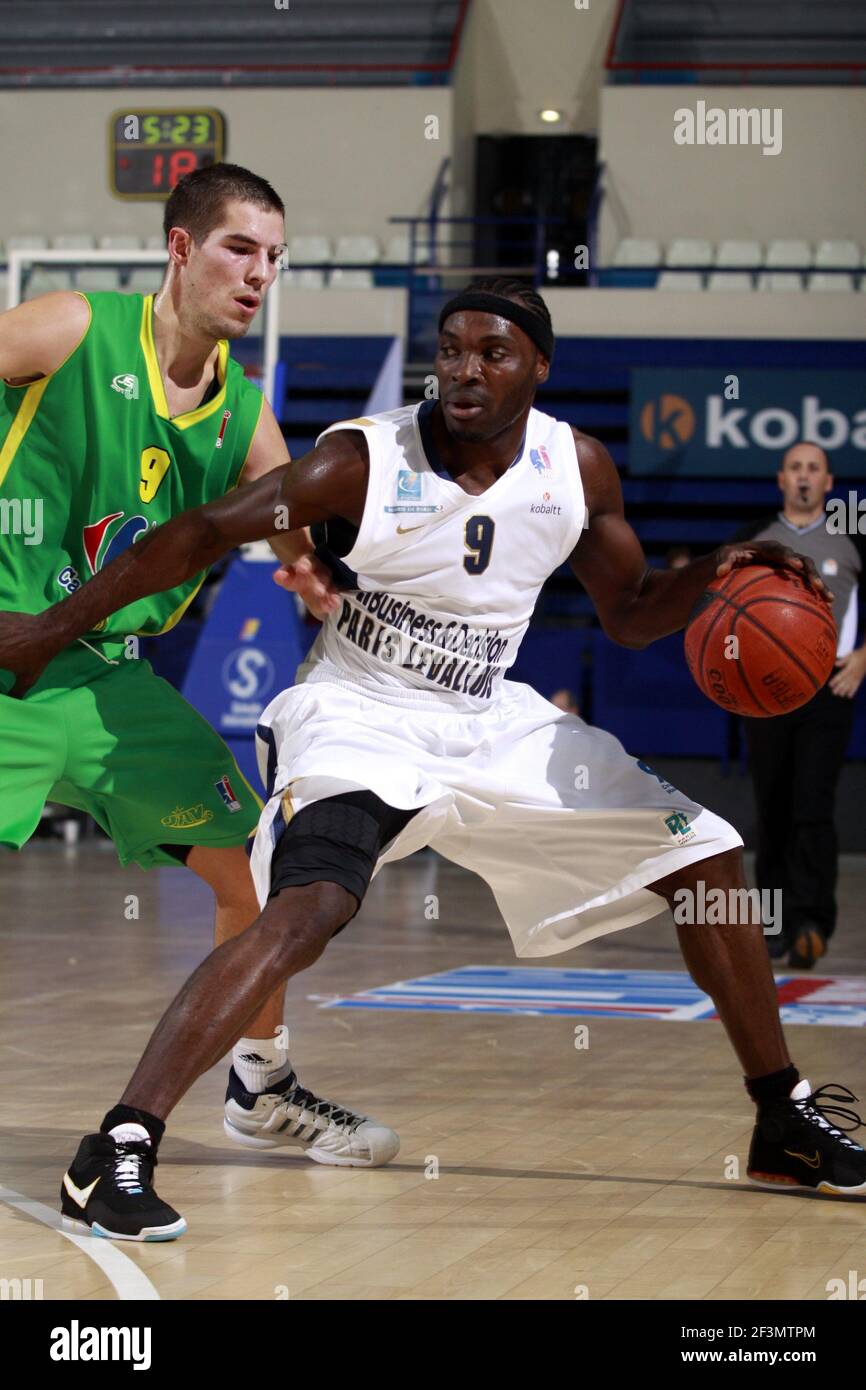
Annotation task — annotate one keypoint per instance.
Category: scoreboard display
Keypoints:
(149, 151)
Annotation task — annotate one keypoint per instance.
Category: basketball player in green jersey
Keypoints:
(116, 413)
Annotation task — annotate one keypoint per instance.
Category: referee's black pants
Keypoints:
(795, 761)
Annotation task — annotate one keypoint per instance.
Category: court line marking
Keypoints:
(129, 1282)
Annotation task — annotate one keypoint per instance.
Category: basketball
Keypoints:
(760, 642)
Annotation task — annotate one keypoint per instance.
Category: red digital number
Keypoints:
(181, 162)
(156, 170)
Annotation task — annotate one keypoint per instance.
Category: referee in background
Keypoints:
(795, 759)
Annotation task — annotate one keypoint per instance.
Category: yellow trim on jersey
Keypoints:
(252, 791)
(179, 612)
(33, 393)
(250, 447)
(25, 385)
(176, 616)
(154, 375)
(21, 424)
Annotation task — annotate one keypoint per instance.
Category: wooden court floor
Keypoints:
(562, 1173)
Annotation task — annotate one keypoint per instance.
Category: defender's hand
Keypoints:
(313, 581)
(777, 557)
(25, 649)
(849, 675)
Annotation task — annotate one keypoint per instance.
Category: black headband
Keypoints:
(533, 326)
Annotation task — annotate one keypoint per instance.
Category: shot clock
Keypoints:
(150, 150)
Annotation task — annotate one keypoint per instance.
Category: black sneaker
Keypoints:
(108, 1189)
(794, 1146)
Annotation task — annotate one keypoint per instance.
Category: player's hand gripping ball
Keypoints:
(761, 640)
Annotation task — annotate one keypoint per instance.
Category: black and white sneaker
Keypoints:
(795, 1146)
(293, 1116)
(108, 1190)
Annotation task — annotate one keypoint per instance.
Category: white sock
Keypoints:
(130, 1134)
(260, 1062)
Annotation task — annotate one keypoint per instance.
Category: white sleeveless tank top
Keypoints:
(447, 582)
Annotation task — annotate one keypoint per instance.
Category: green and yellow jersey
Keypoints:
(90, 459)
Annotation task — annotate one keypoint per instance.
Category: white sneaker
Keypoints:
(293, 1116)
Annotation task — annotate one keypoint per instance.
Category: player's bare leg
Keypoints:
(217, 1003)
(227, 871)
(222, 997)
(266, 1106)
(730, 963)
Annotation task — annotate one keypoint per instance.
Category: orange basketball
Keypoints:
(760, 642)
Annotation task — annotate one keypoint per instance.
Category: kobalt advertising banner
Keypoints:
(738, 423)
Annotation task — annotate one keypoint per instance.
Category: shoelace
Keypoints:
(295, 1094)
(127, 1164)
(814, 1113)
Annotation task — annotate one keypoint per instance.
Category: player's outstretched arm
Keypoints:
(299, 569)
(330, 481)
(637, 604)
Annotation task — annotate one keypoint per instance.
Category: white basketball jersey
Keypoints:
(447, 582)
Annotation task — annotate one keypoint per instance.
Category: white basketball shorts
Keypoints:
(565, 826)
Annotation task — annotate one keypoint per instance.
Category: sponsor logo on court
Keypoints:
(670, 996)
(126, 384)
(224, 787)
(184, 818)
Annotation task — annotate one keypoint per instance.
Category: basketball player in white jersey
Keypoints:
(403, 730)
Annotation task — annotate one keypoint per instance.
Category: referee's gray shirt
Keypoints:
(837, 559)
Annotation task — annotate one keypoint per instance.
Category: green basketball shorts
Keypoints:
(119, 742)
